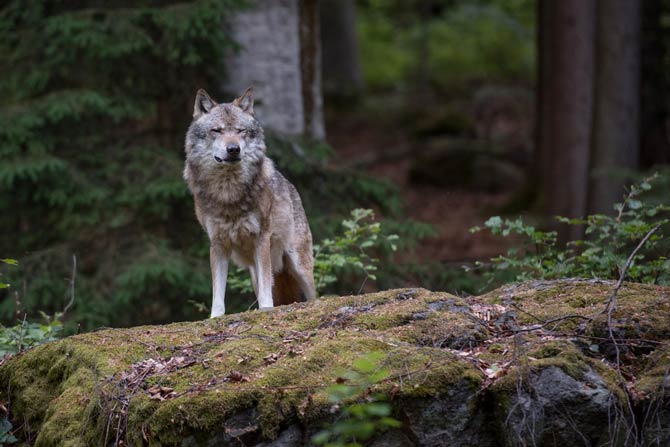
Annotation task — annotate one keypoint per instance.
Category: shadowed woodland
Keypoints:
(436, 114)
(514, 154)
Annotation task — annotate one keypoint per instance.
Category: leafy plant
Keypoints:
(6, 436)
(603, 253)
(9, 261)
(362, 413)
(349, 250)
(29, 334)
(454, 43)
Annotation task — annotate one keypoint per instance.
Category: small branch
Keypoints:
(363, 284)
(553, 320)
(611, 302)
(17, 301)
(632, 429)
(72, 283)
(23, 326)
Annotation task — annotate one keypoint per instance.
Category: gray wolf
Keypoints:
(251, 213)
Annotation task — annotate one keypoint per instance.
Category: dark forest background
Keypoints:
(434, 113)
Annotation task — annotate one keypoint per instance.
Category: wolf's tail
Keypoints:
(286, 289)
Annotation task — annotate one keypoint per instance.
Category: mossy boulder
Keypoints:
(532, 363)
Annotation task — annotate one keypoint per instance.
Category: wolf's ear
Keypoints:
(203, 103)
(246, 101)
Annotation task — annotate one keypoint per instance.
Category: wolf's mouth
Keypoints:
(229, 159)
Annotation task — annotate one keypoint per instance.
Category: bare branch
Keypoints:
(73, 278)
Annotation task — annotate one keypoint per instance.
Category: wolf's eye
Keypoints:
(217, 130)
(240, 130)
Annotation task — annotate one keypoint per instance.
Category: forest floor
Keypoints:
(386, 151)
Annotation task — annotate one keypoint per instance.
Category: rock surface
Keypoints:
(528, 364)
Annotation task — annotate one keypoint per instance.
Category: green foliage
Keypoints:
(28, 334)
(6, 436)
(453, 43)
(350, 249)
(485, 41)
(362, 413)
(9, 261)
(603, 253)
(346, 252)
(94, 101)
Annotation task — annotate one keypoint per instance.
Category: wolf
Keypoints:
(250, 212)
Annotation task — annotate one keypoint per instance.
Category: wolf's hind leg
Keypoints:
(302, 269)
(286, 288)
(219, 264)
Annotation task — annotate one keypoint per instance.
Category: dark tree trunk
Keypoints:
(342, 76)
(655, 85)
(566, 108)
(542, 155)
(617, 102)
(310, 66)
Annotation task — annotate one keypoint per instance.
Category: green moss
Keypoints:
(641, 308)
(654, 379)
(278, 365)
(67, 421)
(561, 354)
(29, 373)
(425, 372)
(178, 418)
(536, 355)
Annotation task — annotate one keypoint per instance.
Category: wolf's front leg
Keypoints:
(263, 265)
(219, 265)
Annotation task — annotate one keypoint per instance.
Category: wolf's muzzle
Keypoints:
(228, 159)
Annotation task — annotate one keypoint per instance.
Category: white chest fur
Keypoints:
(236, 236)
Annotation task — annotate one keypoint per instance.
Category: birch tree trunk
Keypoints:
(280, 57)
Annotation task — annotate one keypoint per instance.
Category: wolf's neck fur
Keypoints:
(228, 192)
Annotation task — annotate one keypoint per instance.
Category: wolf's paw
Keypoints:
(266, 309)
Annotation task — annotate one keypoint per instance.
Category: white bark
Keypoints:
(271, 59)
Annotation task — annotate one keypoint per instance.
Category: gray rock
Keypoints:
(451, 419)
(557, 409)
(656, 425)
(291, 437)
(392, 438)
(240, 430)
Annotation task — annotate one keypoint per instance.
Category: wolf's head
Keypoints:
(224, 136)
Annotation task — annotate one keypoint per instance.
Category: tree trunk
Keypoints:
(569, 90)
(617, 107)
(279, 56)
(342, 76)
(655, 85)
(310, 66)
(543, 137)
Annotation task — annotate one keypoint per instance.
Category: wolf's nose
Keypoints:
(218, 159)
(233, 149)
